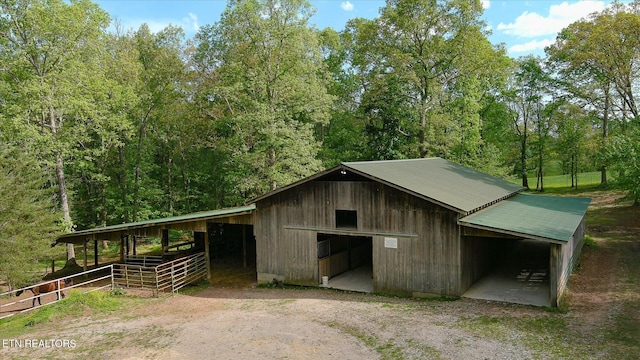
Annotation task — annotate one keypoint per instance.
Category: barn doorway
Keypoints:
(346, 262)
(520, 274)
(232, 255)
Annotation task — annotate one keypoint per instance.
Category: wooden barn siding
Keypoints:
(564, 260)
(428, 262)
(475, 257)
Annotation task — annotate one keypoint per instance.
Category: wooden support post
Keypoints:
(135, 243)
(84, 267)
(165, 240)
(130, 244)
(244, 246)
(95, 253)
(555, 273)
(122, 239)
(206, 252)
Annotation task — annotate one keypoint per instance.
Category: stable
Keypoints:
(220, 235)
(419, 227)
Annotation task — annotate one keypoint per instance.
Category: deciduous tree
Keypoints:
(46, 48)
(270, 91)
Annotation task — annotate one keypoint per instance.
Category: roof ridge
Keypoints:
(387, 161)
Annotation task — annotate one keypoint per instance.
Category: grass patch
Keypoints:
(548, 336)
(74, 304)
(388, 350)
(192, 289)
(586, 181)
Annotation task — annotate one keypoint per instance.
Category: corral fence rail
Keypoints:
(172, 275)
(143, 260)
(167, 276)
(90, 275)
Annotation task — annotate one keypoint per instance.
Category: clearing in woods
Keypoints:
(234, 319)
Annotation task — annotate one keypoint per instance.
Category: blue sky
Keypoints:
(525, 27)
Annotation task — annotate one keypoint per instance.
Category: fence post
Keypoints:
(172, 278)
(157, 290)
(113, 285)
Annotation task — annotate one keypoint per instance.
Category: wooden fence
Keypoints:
(171, 275)
(94, 281)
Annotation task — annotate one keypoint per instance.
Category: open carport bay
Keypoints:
(521, 275)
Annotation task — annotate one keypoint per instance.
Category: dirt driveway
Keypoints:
(221, 322)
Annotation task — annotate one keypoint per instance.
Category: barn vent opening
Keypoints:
(347, 219)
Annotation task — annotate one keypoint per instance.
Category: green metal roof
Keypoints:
(551, 218)
(451, 185)
(204, 215)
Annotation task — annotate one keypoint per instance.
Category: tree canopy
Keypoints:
(125, 125)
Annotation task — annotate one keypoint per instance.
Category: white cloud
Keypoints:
(346, 6)
(530, 46)
(188, 23)
(155, 26)
(531, 24)
(191, 22)
(485, 4)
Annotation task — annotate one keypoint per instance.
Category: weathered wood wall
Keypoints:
(426, 260)
(563, 260)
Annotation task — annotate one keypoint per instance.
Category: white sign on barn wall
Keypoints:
(391, 243)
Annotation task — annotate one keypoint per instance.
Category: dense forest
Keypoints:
(101, 126)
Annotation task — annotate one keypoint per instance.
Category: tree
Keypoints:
(386, 115)
(270, 91)
(524, 97)
(96, 169)
(46, 46)
(29, 222)
(159, 88)
(572, 126)
(623, 153)
(597, 60)
(344, 137)
(436, 58)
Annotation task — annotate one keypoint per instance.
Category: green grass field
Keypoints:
(564, 181)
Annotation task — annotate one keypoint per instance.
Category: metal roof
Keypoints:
(437, 180)
(547, 218)
(204, 215)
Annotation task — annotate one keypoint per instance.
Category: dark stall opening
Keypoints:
(345, 262)
(232, 243)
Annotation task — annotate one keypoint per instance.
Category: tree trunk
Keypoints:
(422, 146)
(605, 134)
(62, 185)
(572, 171)
(540, 183)
(123, 184)
(169, 185)
(103, 212)
(523, 159)
(136, 181)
